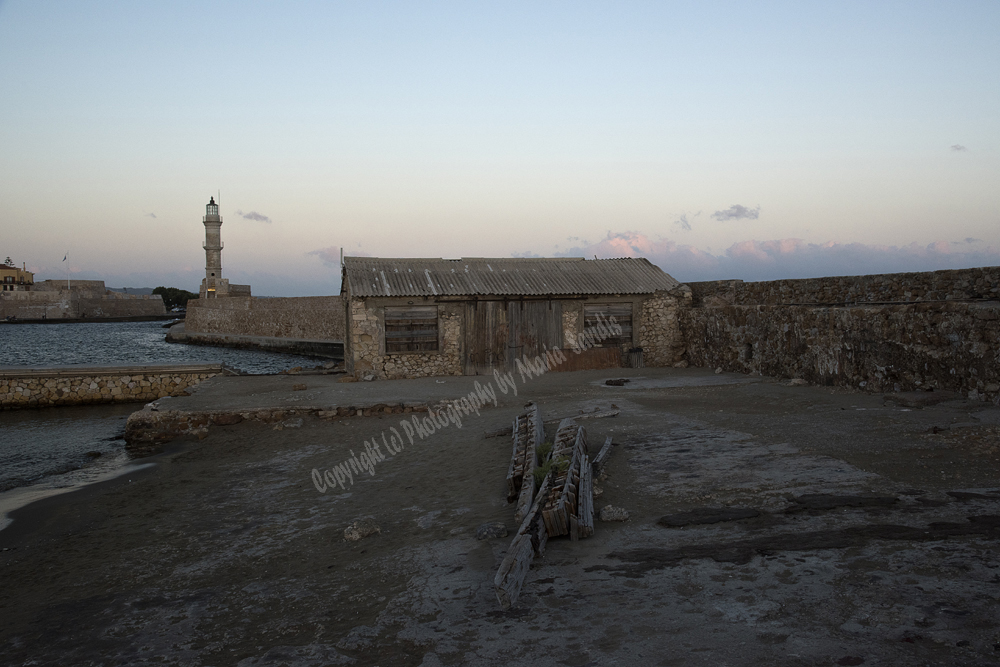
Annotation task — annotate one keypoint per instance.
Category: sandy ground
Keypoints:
(875, 539)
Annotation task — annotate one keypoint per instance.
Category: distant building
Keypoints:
(214, 285)
(14, 279)
(473, 316)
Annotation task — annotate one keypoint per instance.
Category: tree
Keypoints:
(173, 296)
(9, 262)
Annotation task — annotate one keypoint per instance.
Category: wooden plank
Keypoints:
(513, 570)
(513, 485)
(602, 457)
(585, 506)
(536, 433)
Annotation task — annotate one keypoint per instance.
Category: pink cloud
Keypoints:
(790, 258)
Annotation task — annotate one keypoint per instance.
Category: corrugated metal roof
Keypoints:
(479, 276)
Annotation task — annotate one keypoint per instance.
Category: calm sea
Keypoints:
(63, 447)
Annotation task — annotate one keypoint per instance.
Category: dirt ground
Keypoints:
(874, 538)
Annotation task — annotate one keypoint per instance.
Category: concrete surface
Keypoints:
(801, 526)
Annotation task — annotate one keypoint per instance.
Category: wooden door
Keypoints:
(533, 327)
(485, 337)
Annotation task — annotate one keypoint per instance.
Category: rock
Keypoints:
(361, 529)
(598, 491)
(620, 382)
(348, 378)
(612, 513)
(681, 364)
(796, 382)
(330, 364)
(368, 377)
(293, 371)
(298, 387)
(227, 420)
(718, 370)
(491, 529)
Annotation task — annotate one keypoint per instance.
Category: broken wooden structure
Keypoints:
(569, 508)
(564, 504)
(528, 433)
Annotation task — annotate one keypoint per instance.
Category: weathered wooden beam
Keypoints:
(585, 506)
(535, 435)
(529, 541)
(513, 485)
(513, 570)
(602, 457)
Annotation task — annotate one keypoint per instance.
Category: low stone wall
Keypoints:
(305, 318)
(42, 387)
(944, 335)
(148, 429)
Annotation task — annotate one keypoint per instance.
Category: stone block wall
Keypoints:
(365, 352)
(303, 318)
(67, 386)
(72, 304)
(886, 288)
(937, 330)
(659, 330)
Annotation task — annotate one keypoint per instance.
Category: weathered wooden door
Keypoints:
(485, 337)
(533, 327)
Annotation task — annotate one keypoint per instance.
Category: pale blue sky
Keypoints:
(450, 129)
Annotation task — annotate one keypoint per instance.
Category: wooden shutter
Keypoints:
(622, 312)
(411, 328)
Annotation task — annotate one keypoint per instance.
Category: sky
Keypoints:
(721, 140)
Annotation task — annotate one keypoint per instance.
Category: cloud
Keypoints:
(253, 215)
(331, 255)
(526, 253)
(737, 212)
(959, 148)
(787, 258)
(150, 215)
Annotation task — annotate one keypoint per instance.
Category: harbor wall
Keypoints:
(318, 318)
(892, 332)
(74, 304)
(68, 385)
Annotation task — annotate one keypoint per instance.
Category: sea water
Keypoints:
(49, 450)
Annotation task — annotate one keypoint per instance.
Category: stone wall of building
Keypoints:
(36, 388)
(937, 330)
(572, 316)
(659, 330)
(365, 352)
(303, 318)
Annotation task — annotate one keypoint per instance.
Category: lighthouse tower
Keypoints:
(213, 286)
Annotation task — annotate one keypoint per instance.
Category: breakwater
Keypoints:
(79, 385)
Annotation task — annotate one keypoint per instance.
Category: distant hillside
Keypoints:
(141, 291)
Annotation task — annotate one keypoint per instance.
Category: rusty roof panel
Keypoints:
(479, 276)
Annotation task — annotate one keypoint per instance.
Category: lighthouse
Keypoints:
(214, 285)
(210, 287)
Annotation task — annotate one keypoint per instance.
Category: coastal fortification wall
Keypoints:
(85, 302)
(892, 332)
(304, 318)
(41, 387)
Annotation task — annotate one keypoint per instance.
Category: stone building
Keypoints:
(419, 317)
(13, 279)
(214, 285)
